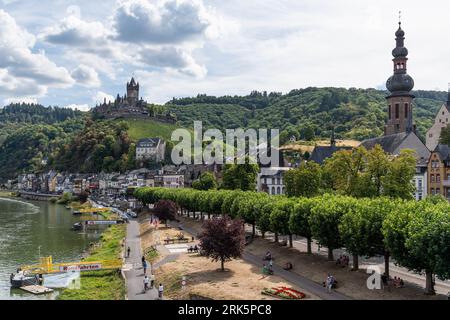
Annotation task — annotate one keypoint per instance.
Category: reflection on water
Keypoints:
(28, 229)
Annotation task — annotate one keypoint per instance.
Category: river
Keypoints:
(29, 228)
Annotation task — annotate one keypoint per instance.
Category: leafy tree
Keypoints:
(240, 176)
(222, 239)
(299, 220)
(418, 236)
(325, 218)
(165, 210)
(397, 182)
(361, 229)
(279, 218)
(207, 181)
(304, 181)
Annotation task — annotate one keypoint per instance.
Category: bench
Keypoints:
(183, 240)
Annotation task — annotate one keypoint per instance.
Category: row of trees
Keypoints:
(415, 234)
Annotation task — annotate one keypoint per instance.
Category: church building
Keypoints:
(400, 130)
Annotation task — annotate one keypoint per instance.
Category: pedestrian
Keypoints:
(128, 252)
(329, 283)
(152, 280)
(271, 264)
(160, 291)
(146, 282)
(145, 267)
(143, 260)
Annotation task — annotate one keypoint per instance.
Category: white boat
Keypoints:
(22, 279)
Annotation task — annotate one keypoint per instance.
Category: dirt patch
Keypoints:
(241, 281)
(351, 283)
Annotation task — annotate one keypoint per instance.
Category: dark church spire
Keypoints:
(400, 85)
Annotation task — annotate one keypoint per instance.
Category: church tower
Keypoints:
(400, 118)
(132, 92)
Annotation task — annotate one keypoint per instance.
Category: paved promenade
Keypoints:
(134, 273)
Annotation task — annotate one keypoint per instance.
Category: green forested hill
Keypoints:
(72, 141)
(355, 113)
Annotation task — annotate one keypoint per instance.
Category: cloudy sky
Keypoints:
(76, 53)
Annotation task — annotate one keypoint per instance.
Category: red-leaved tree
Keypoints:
(165, 210)
(222, 239)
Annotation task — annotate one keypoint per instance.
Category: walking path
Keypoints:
(134, 275)
(298, 280)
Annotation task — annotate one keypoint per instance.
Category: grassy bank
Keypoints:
(101, 285)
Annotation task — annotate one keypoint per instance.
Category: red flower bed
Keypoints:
(284, 293)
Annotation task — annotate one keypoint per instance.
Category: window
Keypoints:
(438, 178)
(278, 190)
(420, 196)
(419, 184)
(406, 110)
(397, 111)
(433, 192)
(432, 178)
(438, 190)
(390, 112)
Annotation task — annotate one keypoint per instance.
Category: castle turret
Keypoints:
(400, 85)
(132, 92)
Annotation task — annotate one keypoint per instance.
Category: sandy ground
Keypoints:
(241, 280)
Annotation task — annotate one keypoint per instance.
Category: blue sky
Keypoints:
(76, 53)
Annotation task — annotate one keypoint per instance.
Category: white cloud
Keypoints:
(161, 21)
(80, 107)
(23, 72)
(101, 96)
(86, 76)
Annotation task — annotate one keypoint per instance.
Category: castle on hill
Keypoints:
(128, 106)
(131, 105)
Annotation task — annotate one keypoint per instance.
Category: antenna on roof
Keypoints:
(400, 18)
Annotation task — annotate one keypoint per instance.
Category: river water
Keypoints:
(30, 228)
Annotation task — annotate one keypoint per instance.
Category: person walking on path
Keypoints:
(160, 291)
(329, 283)
(152, 280)
(145, 267)
(128, 252)
(146, 282)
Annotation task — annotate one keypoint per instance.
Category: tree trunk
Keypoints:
(193, 214)
(223, 264)
(386, 264)
(276, 237)
(209, 215)
(330, 255)
(263, 234)
(201, 215)
(429, 287)
(291, 244)
(308, 244)
(355, 263)
(253, 230)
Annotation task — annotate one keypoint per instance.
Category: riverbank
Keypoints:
(101, 285)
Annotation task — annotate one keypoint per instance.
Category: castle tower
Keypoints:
(400, 100)
(132, 92)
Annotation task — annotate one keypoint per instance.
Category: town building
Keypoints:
(271, 180)
(441, 121)
(439, 171)
(321, 153)
(151, 149)
(400, 131)
(171, 181)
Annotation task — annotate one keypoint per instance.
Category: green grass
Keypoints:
(101, 285)
(140, 128)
